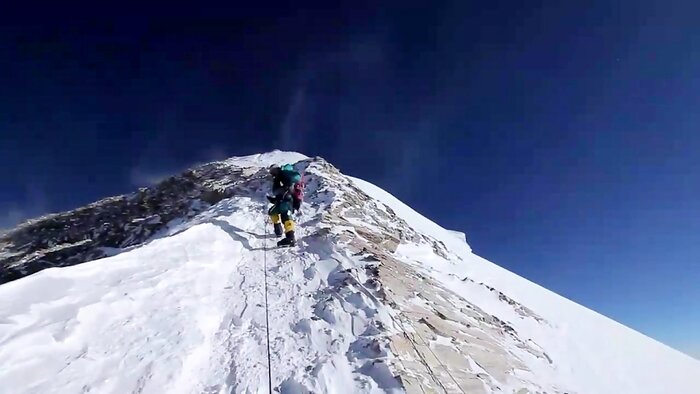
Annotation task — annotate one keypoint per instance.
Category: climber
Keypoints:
(287, 194)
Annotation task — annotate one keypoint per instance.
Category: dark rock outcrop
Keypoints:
(114, 223)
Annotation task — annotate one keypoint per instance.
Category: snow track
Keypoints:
(320, 324)
(242, 336)
(186, 314)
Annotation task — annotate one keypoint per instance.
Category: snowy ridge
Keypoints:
(184, 313)
(98, 229)
(265, 160)
(589, 352)
(375, 298)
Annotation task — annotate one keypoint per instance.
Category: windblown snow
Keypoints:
(375, 298)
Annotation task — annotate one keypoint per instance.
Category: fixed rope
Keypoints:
(427, 345)
(399, 322)
(267, 314)
(444, 367)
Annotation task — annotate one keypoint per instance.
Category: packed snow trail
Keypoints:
(185, 314)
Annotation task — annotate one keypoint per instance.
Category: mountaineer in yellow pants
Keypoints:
(286, 197)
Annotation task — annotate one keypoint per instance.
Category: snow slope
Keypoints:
(375, 298)
(592, 353)
(185, 313)
(265, 159)
(413, 218)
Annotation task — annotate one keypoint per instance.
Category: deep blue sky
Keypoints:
(562, 137)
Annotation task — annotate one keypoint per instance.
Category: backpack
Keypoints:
(294, 176)
(298, 190)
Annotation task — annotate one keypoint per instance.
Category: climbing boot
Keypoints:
(288, 240)
(278, 229)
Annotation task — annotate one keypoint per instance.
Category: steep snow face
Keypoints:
(375, 298)
(584, 351)
(414, 219)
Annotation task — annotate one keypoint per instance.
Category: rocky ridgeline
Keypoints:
(110, 225)
(114, 223)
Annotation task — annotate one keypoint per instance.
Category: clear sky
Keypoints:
(562, 137)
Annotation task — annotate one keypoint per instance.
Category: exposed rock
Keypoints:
(84, 234)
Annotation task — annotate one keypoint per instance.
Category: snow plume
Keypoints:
(292, 130)
(145, 173)
(337, 92)
(319, 91)
(11, 217)
(375, 298)
(36, 203)
(143, 177)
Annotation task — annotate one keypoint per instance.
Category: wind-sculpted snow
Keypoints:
(374, 298)
(185, 312)
(95, 231)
